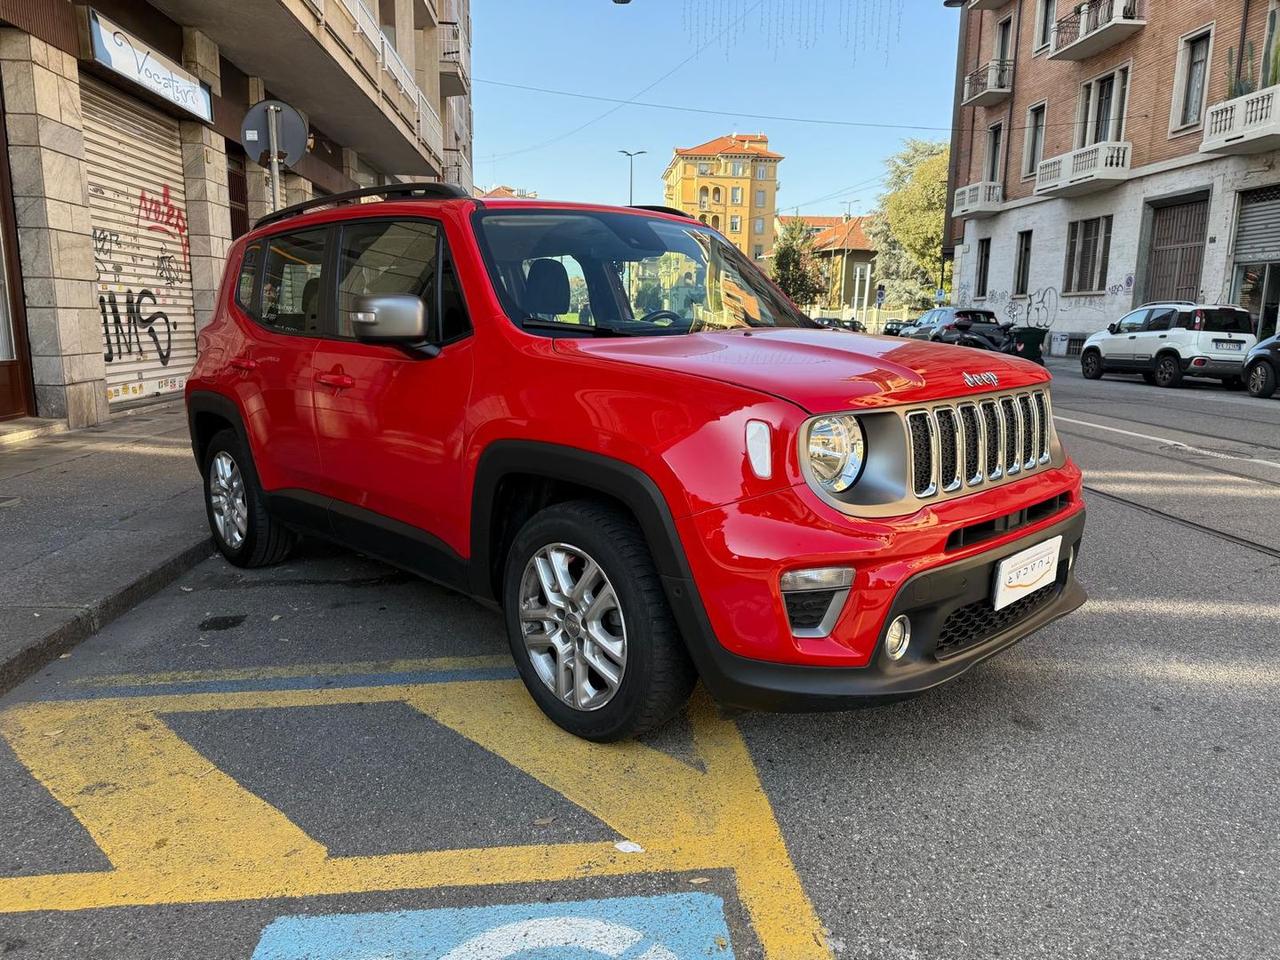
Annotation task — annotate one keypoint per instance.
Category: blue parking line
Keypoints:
(664, 927)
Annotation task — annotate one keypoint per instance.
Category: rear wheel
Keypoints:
(1091, 365)
(243, 530)
(1262, 379)
(1168, 371)
(589, 625)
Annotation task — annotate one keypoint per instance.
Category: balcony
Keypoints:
(978, 200)
(988, 4)
(1248, 124)
(1087, 170)
(455, 59)
(1096, 25)
(989, 84)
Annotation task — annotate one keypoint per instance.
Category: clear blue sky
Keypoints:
(876, 61)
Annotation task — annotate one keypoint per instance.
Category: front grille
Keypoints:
(980, 621)
(975, 443)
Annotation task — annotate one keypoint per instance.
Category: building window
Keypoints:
(1088, 250)
(757, 225)
(715, 195)
(702, 198)
(757, 251)
(995, 140)
(760, 198)
(715, 221)
(735, 224)
(1022, 264)
(1100, 114)
(1004, 40)
(1046, 18)
(762, 171)
(735, 196)
(1193, 72)
(1034, 150)
(739, 168)
(704, 169)
(984, 267)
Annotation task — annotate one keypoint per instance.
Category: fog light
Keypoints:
(897, 638)
(817, 578)
(1199, 362)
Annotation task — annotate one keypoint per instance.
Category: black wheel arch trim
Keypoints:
(206, 401)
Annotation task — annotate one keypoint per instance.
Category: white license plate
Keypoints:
(1026, 572)
(1227, 344)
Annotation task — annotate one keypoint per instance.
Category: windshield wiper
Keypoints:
(537, 323)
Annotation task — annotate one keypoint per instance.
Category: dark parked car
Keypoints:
(967, 326)
(1262, 367)
(893, 328)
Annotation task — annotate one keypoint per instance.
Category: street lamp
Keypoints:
(631, 176)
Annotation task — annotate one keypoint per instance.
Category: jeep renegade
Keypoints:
(609, 424)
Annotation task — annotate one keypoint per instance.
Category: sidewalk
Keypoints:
(91, 522)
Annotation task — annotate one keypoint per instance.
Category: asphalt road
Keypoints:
(183, 784)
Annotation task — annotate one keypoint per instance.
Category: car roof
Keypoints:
(1189, 305)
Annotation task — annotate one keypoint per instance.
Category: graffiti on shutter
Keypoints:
(141, 244)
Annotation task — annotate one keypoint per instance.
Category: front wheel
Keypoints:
(589, 625)
(1262, 379)
(1091, 365)
(1168, 371)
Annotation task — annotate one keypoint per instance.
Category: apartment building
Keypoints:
(731, 184)
(123, 180)
(1110, 153)
(847, 257)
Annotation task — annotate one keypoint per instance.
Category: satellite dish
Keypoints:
(290, 133)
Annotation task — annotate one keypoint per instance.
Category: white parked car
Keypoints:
(1168, 341)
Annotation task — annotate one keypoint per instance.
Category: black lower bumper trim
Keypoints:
(929, 599)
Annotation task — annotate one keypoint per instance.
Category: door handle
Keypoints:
(339, 381)
(244, 363)
(1162, 336)
(1133, 336)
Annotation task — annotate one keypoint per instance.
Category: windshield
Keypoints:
(624, 274)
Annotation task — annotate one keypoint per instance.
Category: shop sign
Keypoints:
(126, 55)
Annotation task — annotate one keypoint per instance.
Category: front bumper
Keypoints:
(744, 662)
(1213, 368)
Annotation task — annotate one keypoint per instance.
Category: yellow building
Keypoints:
(731, 184)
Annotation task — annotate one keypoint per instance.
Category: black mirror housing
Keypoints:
(1112, 327)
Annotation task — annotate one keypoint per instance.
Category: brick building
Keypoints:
(123, 181)
(1113, 152)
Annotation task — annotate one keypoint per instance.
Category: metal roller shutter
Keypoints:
(1258, 235)
(137, 206)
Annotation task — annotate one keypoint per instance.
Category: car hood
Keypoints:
(821, 370)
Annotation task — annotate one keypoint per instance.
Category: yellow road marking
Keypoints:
(178, 830)
(357, 668)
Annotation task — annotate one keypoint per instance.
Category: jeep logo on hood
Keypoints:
(985, 379)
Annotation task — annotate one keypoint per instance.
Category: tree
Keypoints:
(795, 268)
(906, 229)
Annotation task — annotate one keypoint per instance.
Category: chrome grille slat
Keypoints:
(1012, 436)
(971, 424)
(1030, 431)
(1042, 414)
(993, 437)
(920, 430)
(948, 433)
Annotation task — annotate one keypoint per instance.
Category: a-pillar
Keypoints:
(204, 165)
(55, 236)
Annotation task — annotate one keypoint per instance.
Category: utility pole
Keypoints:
(631, 175)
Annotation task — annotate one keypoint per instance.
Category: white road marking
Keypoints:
(581, 933)
(1170, 442)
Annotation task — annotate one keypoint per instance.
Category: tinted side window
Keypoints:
(1132, 323)
(386, 256)
(1186, 320)
(292, 282)
(454, 320)
(248, 279)
(1160, 319)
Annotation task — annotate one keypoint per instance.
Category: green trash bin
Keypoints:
(1028, 343)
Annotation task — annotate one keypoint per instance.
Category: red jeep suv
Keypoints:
(609, 424)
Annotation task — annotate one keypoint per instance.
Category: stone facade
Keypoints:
(55, 239)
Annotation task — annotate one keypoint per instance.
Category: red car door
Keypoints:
(272, 363)
(390, 421)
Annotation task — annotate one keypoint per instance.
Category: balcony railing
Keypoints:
(455, 59)
(989, 84)
(430, 129)
(1248, 124)
(1094, 26)
(1089, 169)
(978, 200)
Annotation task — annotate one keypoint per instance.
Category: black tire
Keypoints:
(266, 541)
(1168, 371)
(658, 676)
(1262, 379)
(1091, 365)
(1149, 377)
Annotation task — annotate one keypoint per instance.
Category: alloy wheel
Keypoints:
(572, 626)
(1165, 372)
(1257, 379)
(227, 500)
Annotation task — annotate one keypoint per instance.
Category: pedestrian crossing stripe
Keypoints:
(223, 843)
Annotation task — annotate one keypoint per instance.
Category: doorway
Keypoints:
(1176, 258)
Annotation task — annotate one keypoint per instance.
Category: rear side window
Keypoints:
(1225, 321)
(248, 279)
(292, 282)
(1160, 319)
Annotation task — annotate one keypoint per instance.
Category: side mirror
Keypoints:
(1113, 328)
(389, 318)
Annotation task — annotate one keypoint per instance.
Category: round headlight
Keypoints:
(836, 451)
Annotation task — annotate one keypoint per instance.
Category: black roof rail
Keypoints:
(660, 209)
(428, 190)
(1164, 303)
